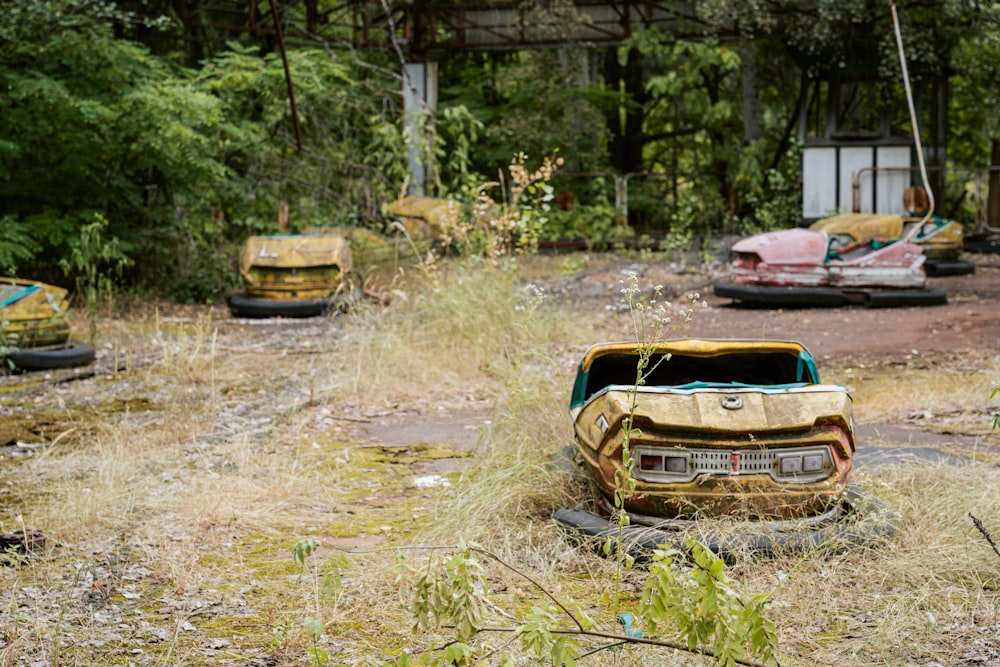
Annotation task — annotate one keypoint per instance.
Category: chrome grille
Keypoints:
(652, 463)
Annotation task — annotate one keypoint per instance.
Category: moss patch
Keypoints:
(121, 405)
(409, 454)
(38, 427)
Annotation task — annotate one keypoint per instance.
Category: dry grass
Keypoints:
(917, 598)
(922, 389)
(171, 523)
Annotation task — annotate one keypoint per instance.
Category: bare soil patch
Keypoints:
(969, 322)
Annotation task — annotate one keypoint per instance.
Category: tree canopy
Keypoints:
(182, 139)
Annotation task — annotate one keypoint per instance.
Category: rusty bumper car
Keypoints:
(34, 333)
(424, 217)
(295, 275)
(736, 443)
(807, 268)
(941, 239)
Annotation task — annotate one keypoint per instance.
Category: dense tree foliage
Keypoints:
(94, 125)
(180, 135)
(182, 163)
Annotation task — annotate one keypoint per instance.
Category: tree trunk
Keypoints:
(720, 166)
(625, 119)
(793, 121)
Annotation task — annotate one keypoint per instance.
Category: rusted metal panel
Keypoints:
(425, 217)
(702, 410)
(296, 251)
(868, 179)
(819, 179)
(32, 314)
(307, 266)
(890, 184)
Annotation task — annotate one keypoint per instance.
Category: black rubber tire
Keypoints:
(68, 355)
(802, 297)
(983, 243)
(939, 269)
(241, 305)
(865, 521)
(903, 298)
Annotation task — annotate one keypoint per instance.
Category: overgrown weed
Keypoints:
(469, 326)
(891, 392)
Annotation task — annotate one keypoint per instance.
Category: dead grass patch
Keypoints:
(894, 392)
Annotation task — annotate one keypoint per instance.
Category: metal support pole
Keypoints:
(420, 83)
(288, 74)
(621, 200)
(913, 124)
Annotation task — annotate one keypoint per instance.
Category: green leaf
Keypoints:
(314, 627)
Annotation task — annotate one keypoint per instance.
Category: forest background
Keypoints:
(166, 143)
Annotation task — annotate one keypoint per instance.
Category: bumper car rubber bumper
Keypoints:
(67, 355)
(241, 305)
(828, 297)
(860, 520)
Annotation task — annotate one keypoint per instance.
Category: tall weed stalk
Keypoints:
(651, 324)
(95, 261)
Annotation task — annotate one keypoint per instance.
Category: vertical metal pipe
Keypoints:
(913, 124)
(288, 74)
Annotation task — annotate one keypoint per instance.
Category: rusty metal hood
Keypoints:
(711, 387)
(296, 251)
(31, 300)
(430, 209)
(787, 246)
(712, 414)
(424, 217)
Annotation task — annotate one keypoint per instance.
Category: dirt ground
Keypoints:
(949, 337)
(969, 321)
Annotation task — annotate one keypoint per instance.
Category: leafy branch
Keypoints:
(93, 256)
(695, 602)
(996, 415)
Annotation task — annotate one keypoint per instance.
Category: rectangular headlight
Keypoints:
(790, 465)
(675, 464)
(650, 462)
(812, 463)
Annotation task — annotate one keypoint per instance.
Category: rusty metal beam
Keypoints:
(428, 28)
(510, 25)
